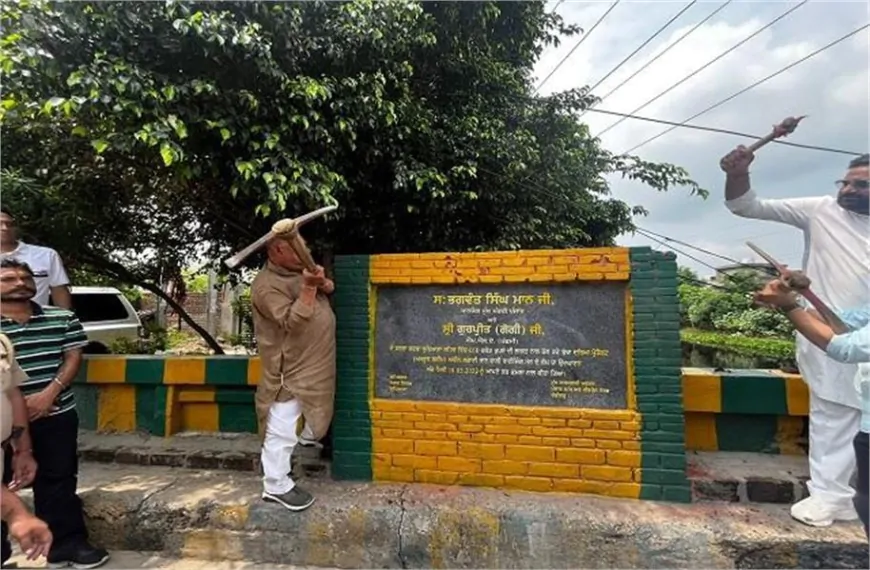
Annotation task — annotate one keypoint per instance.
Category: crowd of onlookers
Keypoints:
(42, 344)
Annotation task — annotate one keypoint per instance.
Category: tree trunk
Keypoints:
(208, 338)
(118, 271)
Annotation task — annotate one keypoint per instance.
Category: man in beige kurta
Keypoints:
(295, 329)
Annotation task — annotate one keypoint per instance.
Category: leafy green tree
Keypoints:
(157, 132)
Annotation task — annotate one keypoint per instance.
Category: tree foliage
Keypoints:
(150, 133)
(729, 309)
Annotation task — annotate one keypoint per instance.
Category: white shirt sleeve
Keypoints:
(56, 273)
(792, 211)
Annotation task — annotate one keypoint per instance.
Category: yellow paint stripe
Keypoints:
(701, 432)
(702, 391)
(107, 370)
(797, 395)
(255, 370)
(184, 371)
(199, 417)
(172, 423)
(116, 408)
(789, 430)
(203, 395)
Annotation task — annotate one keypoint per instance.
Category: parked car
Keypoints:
(106, 315)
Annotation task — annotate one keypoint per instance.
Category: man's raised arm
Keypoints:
(743, 202)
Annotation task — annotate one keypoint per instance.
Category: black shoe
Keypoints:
(77, 555)
(295, 499)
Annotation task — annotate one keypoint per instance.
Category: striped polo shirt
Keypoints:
(40, 344)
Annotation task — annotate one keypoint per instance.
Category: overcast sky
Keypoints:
(831, 88)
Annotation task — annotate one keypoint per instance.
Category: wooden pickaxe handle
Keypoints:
(785, 128)
(299, 247)
(830, 317)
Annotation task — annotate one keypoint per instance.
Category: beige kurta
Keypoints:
(296, 343)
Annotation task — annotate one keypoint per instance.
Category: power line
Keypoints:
(669, 246)
(577, 45)
(664, 51)
(706, 65)
(683, 253)
(643, 45)
(721, 131)
(756, 84)
(700, 249)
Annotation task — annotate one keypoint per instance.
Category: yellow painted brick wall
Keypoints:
(528, 266)
(528, 448)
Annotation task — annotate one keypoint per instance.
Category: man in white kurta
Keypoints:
(837, 260)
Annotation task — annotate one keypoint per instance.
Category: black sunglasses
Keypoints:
(857, 184)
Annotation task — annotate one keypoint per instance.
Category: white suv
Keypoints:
(106, 315)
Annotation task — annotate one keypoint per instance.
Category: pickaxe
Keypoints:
(800, 283)
(293, 238)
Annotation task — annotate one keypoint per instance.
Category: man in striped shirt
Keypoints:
(48, 343)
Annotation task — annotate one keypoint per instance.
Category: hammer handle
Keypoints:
(837, 325)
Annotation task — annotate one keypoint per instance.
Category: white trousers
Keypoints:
(832, 459)
(278, 445)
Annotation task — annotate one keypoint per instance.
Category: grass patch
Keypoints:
(747, 346)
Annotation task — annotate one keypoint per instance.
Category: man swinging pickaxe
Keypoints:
(838, 266)
(288, 229)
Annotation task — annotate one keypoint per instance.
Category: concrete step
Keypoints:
(229, 451)
(218, 515)
(716, 476)
(122, 560)
(738, 477)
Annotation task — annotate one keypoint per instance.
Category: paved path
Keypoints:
(128, 560)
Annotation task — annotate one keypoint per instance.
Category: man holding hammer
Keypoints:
(852, 346)
(295, 329)
(837, 260)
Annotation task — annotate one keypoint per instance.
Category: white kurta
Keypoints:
(837, 260)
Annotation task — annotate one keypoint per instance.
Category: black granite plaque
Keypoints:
(526, 344)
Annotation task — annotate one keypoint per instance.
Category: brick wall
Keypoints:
(531, 448)
(636, 452)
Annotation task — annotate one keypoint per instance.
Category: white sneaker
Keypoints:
(813, 511)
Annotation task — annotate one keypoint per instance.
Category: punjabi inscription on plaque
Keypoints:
(523, 344)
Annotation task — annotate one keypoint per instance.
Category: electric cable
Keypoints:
(666, 50)
(687, 125)
(643, 45)
(756, 84)
(577, 45)
(706, 65)
(683, 253)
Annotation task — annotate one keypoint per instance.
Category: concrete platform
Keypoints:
(125, 560)
(716, 476)
(747, 477)
(218, 515)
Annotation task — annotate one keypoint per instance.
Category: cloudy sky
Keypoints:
(831, 88)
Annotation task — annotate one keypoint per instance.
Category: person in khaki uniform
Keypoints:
(295, 329)
(31, 533)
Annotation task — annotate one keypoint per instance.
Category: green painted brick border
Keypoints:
(151, 409)
(657, 356)
(352, 427)
(745, 394)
